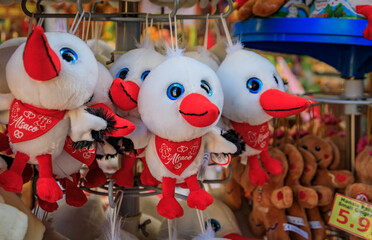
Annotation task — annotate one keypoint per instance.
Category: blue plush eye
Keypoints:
(144, 75)
(254, 85)
(205, 85)
(68, 55)
(122, 73)
(214, 224)
(175, 90)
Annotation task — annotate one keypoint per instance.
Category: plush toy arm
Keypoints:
(82, 123)
(325, 195)
(216, 143)
(360, 190)
(306, 197)
(6, 100)
(140, 136)
(335, 178)
(282, 197)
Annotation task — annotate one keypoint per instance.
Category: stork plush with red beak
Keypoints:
(180, 102)
(254, 93)
(130, 71)
(51, 76)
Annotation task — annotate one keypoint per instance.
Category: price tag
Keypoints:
(221, 159)
(352, 216)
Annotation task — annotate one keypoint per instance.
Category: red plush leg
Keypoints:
(256, 174)
(168, 206)
(198, 197)
(366, 10)
(47, 206)
(74, 195)
(11, 180)
(124, 176)
(95, 176)
(146, 177)
(27, 173)
(272, 165)
(47, 187)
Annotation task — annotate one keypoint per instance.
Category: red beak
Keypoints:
(40, 61)
(122, 126)
(198, 111)
(280, 104)
(124, 94)
(234, 236)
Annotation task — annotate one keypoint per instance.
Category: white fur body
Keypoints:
(51, 142)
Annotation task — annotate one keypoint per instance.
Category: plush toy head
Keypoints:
(181, 99)
(321, 149)
(130, 70)
(253, 89)
(202, 55)
(52, 70)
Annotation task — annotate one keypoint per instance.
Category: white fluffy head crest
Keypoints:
(146, 43)
(174, 52)
(235, 47)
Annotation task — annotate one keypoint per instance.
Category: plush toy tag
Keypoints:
(177, 156)
(221, 159)
(27, 122)
(299, 231)
(315, 225)
(83, 155)
(296, 220)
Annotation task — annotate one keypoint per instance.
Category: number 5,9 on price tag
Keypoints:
(352, 216)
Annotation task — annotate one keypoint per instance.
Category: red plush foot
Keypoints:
(75, 197)
(258, 176)
(273, 166)
(95, 178)
(27, 173)
(147, 179)
(11, 181)
(48, 190)
(169, 208)
(199, 199)
(123, 177)
(47, 206)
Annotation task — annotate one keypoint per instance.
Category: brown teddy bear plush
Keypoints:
(258, 8)
(325, 196)
(362, 190)
(328, 159)
(303, 197)
(269, 202)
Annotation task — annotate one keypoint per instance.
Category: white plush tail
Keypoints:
(207, 235)
(112, 224)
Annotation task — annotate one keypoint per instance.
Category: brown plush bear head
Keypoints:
(321, 149)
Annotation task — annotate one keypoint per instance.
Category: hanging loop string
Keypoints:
(171, 31)
(226, 29)
(175, 31)
(206, 33)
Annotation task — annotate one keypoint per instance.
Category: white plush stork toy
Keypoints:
(67, 165)
(130, 71)
(51, 76)
(254, 93)
(180, 102)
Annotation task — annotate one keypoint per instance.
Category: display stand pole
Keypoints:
(354, 88)
(127, 33)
